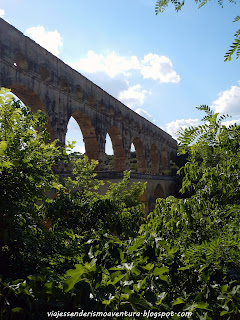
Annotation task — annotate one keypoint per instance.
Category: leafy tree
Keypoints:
(26, 161)
(213, 169)
(36, 229)
(203, 229)
(118, 211)
(86, 251)
(161, 5)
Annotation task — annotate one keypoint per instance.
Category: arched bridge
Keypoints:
(42, 81)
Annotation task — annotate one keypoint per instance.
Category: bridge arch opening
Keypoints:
(164, 160)
(33, 101)
(159, 192)
(133, 159)
(109, 162)
(74, 133)
(140, 154)
(118, 150)
(88, 133)
(154, 159)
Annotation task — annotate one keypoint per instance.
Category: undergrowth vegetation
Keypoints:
(80, 250)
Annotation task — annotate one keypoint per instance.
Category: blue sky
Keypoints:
(160, 66)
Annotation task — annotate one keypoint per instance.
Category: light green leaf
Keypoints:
(177, 301)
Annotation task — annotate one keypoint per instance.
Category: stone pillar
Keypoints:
(148, 159)
(127, 150)
(101, 140)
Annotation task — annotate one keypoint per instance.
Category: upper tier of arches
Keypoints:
(43, 81)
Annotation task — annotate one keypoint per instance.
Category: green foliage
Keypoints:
(33, 224)
(109, 162)
(161, 5)
(213, 169)
(26, 161)
(118, 211)
(84, 251)
(204, 229)
(235, 47)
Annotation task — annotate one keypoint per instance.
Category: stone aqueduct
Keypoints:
(42, 81)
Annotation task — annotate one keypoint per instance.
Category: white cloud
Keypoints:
(2, 13)
(159, 68)
(50, 40)
(133, 96)
(231, 122)
(145, 114)
(152, 66)
(112, 64)
(228, 101)
(174, 126)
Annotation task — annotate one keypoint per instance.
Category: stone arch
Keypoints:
(159, 192)
(164, 159)
(64, 85)
(21, 61)
(154, 159)
(79, 93)
(89, 134)
(45, 74)
(111, 111)
(119, 116)
(118, 150)
(92, 100)
(126, 120)
(140, 153)
(102, 106)
(33, 101)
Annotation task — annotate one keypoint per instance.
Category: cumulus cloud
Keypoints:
(2, 13)
(231, 122)
(133, 96)
(174, 126)
(152, 66)
(50, 40)
(228, 101)
(145, 114)
(112, 64)
(159, 68)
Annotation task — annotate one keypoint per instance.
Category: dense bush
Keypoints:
(85, 251)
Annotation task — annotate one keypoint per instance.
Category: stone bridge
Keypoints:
(42, 81)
